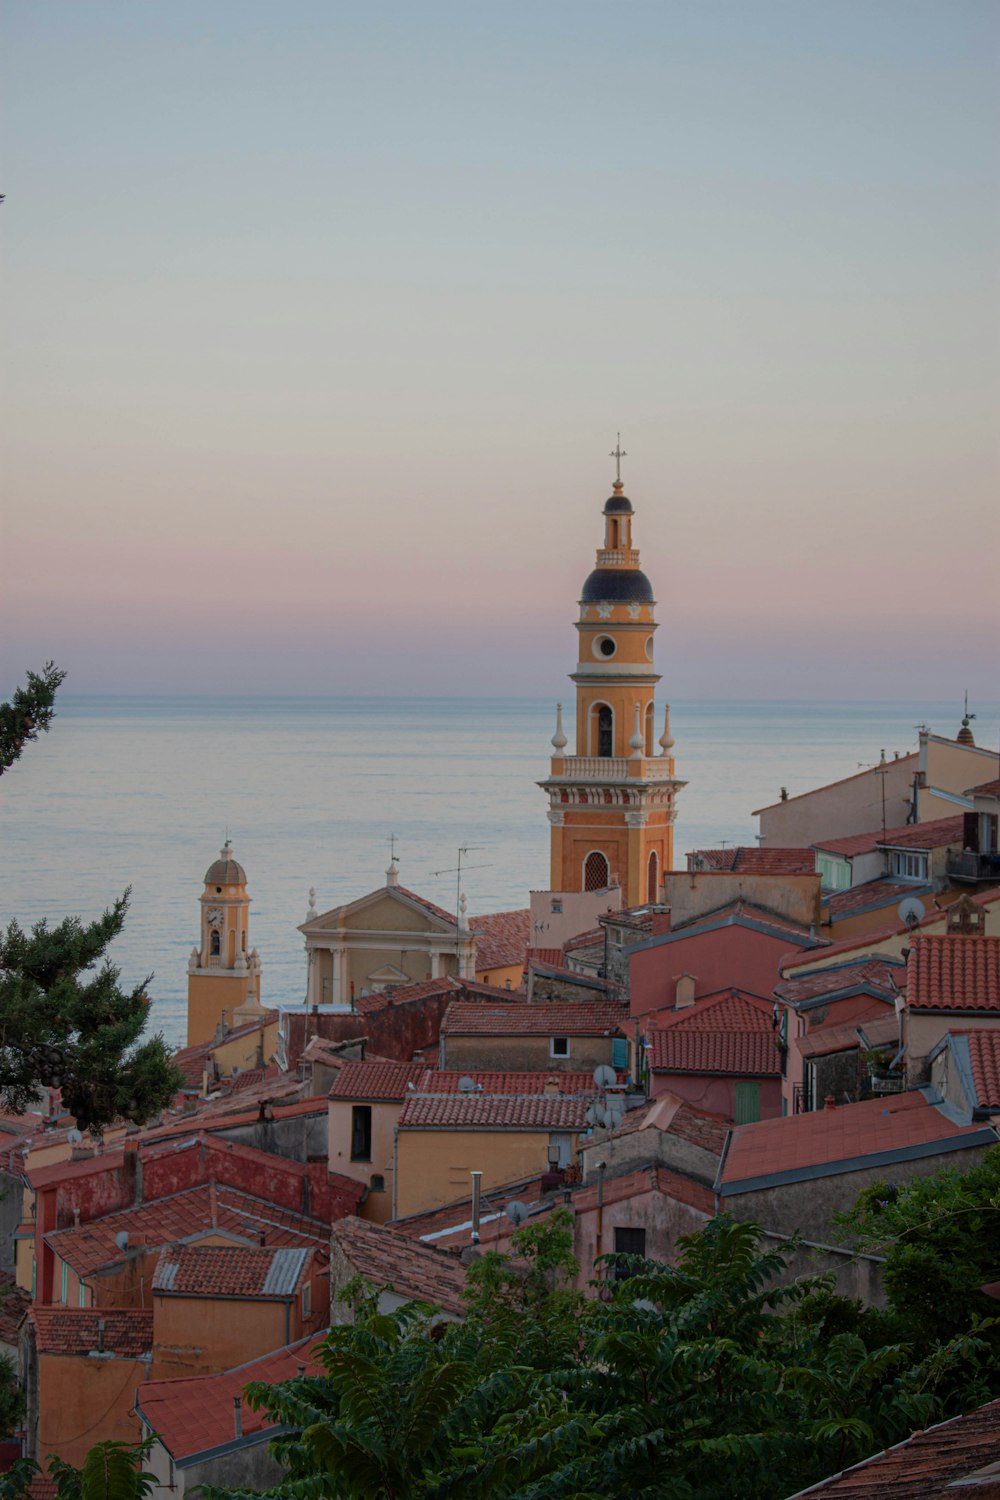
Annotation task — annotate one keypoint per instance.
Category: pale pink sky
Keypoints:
(320, 324)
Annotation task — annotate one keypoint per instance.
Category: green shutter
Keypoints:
(619, 1052)
(747, 1103)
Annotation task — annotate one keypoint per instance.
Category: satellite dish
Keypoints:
(911, 910)
(605, 1077)
(615, 1109)
(516, 1212)
(466, 1085)
(74, 1137)
(121, 1239)
(591, 1116)
(603, 1115)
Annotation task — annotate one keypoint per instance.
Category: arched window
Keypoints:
(602, 730)
(215, 945)
(596, 872)
(653, 893)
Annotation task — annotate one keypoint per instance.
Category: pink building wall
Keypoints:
(717, 1093)
(734, 956)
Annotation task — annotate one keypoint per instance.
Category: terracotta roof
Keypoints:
(724, 1010)
(232, 1271)
(435, 911)
(839, 1139)
(372, 1080)
(578, 977)
(14, 1303)
(822, 1041)
(434, 1081)
(544, 955)
(675, 1116)
(550, 1018)
(870, 976)
(869, 897)
(588, 939)
(387, 1258)
(501, 938)
(871, 940)
(405, 994)
(738, 911)
(127, 1333)
(933, 835)
(494, 1112)
(194, 1415)
(954, 972)
(749, 1054)
(985, 789)
(943, 1461)
(754, 861)
(984, 1057)
(184, 1216)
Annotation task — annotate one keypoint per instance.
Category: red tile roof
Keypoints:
(588, 939)
(376, 1080)
(127, 1333)
(985, 789)
(743, 1053)
(740, 911)
(725, 1010)
(435, 911)
(869, 897)
(184, 1216)
(675, 1116)
(933, 835)
(753, 860)
(404, 994)
(552, 956)
(984, 1057)
(195, 1414)
(501, 938)
(551, 1018)
(822, 1041)
(388, 1258)
(494, 1112)
(434, 1081)
(13, 1305)
(876, 976)
(799, 1143)
(232, 1271)
(954, 972)
(942, 1461)
(870, 940)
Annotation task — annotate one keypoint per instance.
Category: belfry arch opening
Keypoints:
(596, 871)
(602, 730)
(653, 878)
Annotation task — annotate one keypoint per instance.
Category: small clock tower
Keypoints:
(223, 971)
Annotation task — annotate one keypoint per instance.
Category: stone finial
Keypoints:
(463, 907)
(666, 738)
(194, 962)
(637, 742)
(559, 740)
(392, 874)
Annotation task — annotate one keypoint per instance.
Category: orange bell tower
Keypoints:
(612, 804)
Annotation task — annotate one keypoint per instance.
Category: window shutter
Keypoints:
(619, 1052)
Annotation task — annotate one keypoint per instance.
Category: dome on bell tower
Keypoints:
(617, 586)
(226, 870)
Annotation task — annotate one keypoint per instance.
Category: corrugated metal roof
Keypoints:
(284, 1272)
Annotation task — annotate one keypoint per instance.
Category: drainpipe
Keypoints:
(238, 1416)
(477, 1178)
(599, 1243)
(395, 1165)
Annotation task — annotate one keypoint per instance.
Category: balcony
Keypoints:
(610, 557)
(969, 867)
(612, 768)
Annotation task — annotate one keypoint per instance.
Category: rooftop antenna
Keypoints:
(456, 870)
(881, 768)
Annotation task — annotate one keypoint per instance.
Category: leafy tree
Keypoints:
(29, 712)
(64, 1020)
(11, 1399)
(110, 1471)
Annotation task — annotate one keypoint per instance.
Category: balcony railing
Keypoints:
(970, 866)
(609, 556)
(613, 768)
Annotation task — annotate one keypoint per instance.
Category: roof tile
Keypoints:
(984, 1056)
(555, 1018)
(126, 1332)
(388, 1258)
(231, 1271)
(954, 972)
(494, 1112)
(501, 938)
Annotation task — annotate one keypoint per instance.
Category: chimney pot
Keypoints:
(829, 1102)
(238, 1416)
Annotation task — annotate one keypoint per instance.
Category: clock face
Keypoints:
(215, 916)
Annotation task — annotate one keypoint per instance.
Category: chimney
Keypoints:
(661, 922)
(76, 1218)
(418, 1056)
(829, 1102)
(551, 1086)
(132, 1163)
(213, 1201)
(238, 1416)
(100, 1335)
(684, 992)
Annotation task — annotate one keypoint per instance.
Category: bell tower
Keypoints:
(612, 803)
(223, 973)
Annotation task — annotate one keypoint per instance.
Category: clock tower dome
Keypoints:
(612, 803)
(223, 972)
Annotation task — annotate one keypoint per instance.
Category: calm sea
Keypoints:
(141, 792)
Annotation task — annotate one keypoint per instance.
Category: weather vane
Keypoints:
(618, 453)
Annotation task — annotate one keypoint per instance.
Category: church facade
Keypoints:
(612, 800)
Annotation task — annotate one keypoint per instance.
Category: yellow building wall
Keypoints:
(503, 978)
(208, 996)
(434, 1166)
(378, 1205)
(242, 1051)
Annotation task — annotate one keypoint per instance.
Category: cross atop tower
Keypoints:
(391, 841)
(618, 453)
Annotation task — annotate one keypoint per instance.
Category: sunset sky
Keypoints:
(319, 321)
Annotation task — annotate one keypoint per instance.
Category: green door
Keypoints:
(747, 1103)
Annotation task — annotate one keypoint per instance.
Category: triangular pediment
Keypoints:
(387, 909)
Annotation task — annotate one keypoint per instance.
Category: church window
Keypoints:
(649, 647)
(596, 872)
(215, 945)
(361, 1132)
(605, 730)
(652, 893)
(604, 646)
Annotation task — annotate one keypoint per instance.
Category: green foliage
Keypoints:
(110, 1471)
(29, 713)
(69, 1025)
(11, 1399)
(64, 1021)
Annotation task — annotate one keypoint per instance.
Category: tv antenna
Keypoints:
(456, 870)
